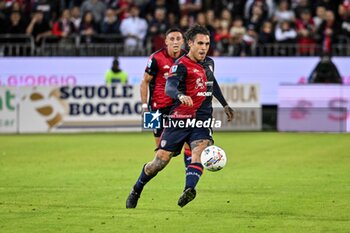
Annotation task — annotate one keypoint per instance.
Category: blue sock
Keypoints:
(187, 157)
(142, 181)
(193, 173)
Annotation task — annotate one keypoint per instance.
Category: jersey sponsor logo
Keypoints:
(174, 68)
(204, 93)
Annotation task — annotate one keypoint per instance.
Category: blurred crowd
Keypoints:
(236, 26)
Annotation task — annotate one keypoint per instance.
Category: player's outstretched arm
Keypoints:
(220, 97)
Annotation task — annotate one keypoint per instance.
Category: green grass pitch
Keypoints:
(273, 182)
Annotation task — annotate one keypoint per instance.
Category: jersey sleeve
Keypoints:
(177, 74)
(152, 66)
(218, 94)
(216, 88)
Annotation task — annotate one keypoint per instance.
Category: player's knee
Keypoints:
(160, 161)
(150, 169)
(163, 155)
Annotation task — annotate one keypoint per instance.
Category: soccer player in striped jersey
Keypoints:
(191, 84)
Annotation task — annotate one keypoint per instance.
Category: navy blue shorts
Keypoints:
(173, 139)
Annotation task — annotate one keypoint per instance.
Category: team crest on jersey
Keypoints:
(199, 83)
(149, 64)
(195, 71)
(174, 68)
(163, 143)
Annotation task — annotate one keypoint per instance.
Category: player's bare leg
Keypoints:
(194, 171)
(187, 151)
(159, 162)
(150, 170)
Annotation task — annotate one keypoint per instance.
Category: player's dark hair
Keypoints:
(194, 30)
(174, 30)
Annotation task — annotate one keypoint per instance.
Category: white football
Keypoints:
(213, 158)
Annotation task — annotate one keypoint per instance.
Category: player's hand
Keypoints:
(144, 108)
(229, 113)
(186, 100)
